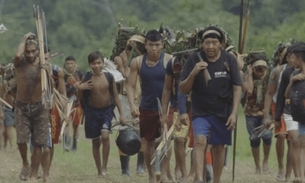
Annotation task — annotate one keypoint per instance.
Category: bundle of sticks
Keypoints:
(260, 130)
(64, 107)
(165, 144)
(46, 84)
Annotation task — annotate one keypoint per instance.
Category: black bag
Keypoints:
(297, 101)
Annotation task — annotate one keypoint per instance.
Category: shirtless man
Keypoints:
(98, 103)
(31, 116)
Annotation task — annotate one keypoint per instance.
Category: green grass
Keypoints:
(79, 167)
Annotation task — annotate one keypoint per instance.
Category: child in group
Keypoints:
(98, 95)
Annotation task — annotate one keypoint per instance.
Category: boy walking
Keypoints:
(98, 95)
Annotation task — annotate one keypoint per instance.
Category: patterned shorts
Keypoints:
(32, 121)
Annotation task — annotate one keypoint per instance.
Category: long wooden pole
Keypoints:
(245, 28)
(239, 50)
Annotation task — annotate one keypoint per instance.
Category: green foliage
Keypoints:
(80, 27)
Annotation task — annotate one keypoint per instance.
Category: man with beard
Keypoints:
(31, 116)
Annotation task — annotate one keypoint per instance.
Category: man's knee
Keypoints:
(200, 140)
(267, 141)
(180, 141)
(255, 143)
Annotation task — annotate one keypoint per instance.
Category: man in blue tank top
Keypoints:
(150, 67)
(215, 99)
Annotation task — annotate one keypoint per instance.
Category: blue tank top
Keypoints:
(152, 83)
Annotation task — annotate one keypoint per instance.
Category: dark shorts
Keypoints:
(150, 126)
(97, 120)
(8, 116)
(252, 122)
(32, 122)
(214, 128)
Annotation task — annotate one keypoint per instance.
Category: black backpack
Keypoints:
(297, 101)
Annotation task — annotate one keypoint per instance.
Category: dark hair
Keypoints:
(94, 56)
(153, 35)
(299, 50)
(212, 35)
(70, 57)
(128, 47)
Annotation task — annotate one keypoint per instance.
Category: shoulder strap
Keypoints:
(109, 78)
(87, 76)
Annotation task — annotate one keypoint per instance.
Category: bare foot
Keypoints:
(32, 180)
(266, 168)
(297, 180)
(25, 173)
(258, 171)
(182, 180)
(191, 176)
(152, 181)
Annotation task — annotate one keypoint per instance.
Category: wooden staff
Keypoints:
(206, 74)
(245, 28)
(5, 103)
(239, 50)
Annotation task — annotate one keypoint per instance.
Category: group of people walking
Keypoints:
(199, 98)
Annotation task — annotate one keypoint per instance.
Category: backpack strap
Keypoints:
(110, 78)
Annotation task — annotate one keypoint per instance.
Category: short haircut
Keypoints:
(70, 57)
(299, 50)
(153, 35)
(212, 32)
(94, 56)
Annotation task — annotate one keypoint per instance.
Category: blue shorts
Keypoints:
(301, 128)
(9, 116)
(97, 120)
(214, 125)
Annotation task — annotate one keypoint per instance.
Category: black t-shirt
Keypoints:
(216, 98)
(280, 100)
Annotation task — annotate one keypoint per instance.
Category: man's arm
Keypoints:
(120, 66)
(132, 78)
(248, 84)
(231, 122)
(187, 83)
(272, 87)
(61, 82)
(117, 102)
(20, 49)
(166, 95)
(183, 116)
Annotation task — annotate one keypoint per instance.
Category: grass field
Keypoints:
(79, 167)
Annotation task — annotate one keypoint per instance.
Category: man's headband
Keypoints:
(211, 32)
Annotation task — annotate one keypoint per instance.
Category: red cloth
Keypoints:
(55, 125)
(150, 126)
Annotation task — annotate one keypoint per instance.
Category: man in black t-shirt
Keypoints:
(215, 100)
